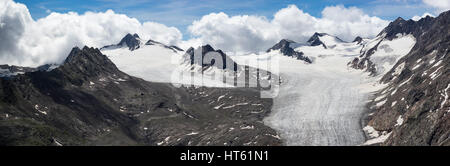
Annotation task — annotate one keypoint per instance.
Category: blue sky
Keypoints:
(181, 13)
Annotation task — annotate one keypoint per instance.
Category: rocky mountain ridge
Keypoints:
(413, 109)
(88, 101)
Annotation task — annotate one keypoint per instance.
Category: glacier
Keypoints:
(321, 104)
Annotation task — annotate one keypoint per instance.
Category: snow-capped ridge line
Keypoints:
(134, 42)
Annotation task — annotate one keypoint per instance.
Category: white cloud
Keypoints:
(244, 33)
(440, 5)
(31, 42)
(13, 20)
(235, 33)
(347, 23)
(48, 40)
(417, 18)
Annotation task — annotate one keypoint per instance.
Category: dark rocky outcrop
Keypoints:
(416, 28)
(314, 40)
(363, 62)
(358, 40)
(88, 101)
(239, 74)
(228, 63)
(133, 42)
(285, 47)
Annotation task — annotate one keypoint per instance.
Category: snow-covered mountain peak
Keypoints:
(380, 54)
(405, 27)
(190, 57)
(133, 42)
(284, 43)
(287, 48)
(324, 39)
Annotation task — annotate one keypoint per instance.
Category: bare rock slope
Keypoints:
(88, 101)
(414, 108)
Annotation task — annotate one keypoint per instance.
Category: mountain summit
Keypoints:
(89, 62)
(314, 40)
(402, 26)
(323, 39)
(133, 42)
(285, 46)
(189, 57)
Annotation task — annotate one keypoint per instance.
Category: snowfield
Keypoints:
(389, 52)
(152, 63)
(156, 63)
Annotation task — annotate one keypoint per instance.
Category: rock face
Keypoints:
(203, 60)
(314, 40)
(415, 108)
(358, 40)
(131, 41)
(400, 25)
(285, 47)
(228, 63)
(88, 101)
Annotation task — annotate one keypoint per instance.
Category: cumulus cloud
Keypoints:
(13, 20)
(440, 5)
(48, 40)
(29, 42)
(244, 33)
(347, 23)
(237, 33)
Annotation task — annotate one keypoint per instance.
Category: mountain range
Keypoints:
(389, 90)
